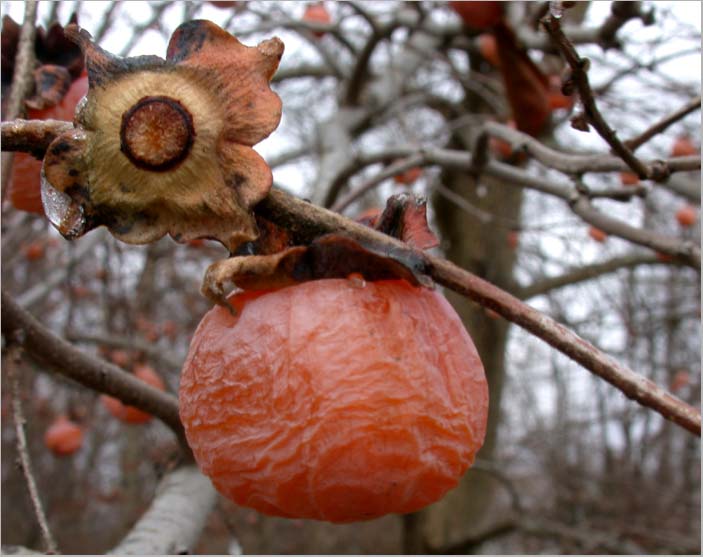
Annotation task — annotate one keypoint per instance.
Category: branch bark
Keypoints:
(581, 274)
(176, 517)
(41, 343)
(21, 82)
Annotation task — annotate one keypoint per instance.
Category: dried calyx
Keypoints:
(165, 146)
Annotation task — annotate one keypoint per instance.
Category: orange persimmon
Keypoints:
(334, 399)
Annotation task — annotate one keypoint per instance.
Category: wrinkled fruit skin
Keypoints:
(334, 401)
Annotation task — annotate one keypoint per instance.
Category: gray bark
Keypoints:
(174, 521)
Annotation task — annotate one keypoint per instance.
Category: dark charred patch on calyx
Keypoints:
(187, 39)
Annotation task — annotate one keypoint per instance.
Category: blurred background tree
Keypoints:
(379, 98)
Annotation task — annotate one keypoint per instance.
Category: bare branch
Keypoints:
(176, 517)
(338, 165)
(31, 136)
(579, 67)
(39, 342)
(294, 214)
(22, 81)
(129, 343)
(13, 362)
(663, 124)
(582, 274)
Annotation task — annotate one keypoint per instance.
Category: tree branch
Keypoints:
(664, 123)
(41, 343)
(22, 82)
(579, 67)
(176, 517)
(581, 274)
(13, 362)
(309, 221)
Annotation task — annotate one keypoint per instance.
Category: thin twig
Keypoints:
(388, 172)
(22, 82)
(14, 357)
(664, 123)
(579, 67)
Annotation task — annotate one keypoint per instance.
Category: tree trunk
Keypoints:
(481, 248)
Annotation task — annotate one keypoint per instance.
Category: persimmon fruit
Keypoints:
(597, 234)
(683, 147)
(34, 251)
(686, 216)
(488, 49)
(410, 176)
(513, 239)
(130, 414)
(629, 179)
(24, 185)
(317, 13)
(478, 15)
(64, 437)
(334, 399)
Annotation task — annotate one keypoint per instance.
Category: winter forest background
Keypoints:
(570, 465)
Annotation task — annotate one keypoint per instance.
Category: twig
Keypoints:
(131, 344)
(358, 77)
(12, 363)
(580, 274)
(40, 343)
(658, 170)
(579, 67)
(22, 82)
(664, 123)
(31, 136)
(388, 172)
(107, 22)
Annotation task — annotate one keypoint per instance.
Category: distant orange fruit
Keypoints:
(629, 179)
(488, 49)
(513, 239)
(478, 15)
(333, 400)
(686, 216)
(680, 380)
(317, 13)
(24, 185)
(683, 147)
(410, 176)
(597, 234)
(130, 414)
(63, 437)
(35, 250)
